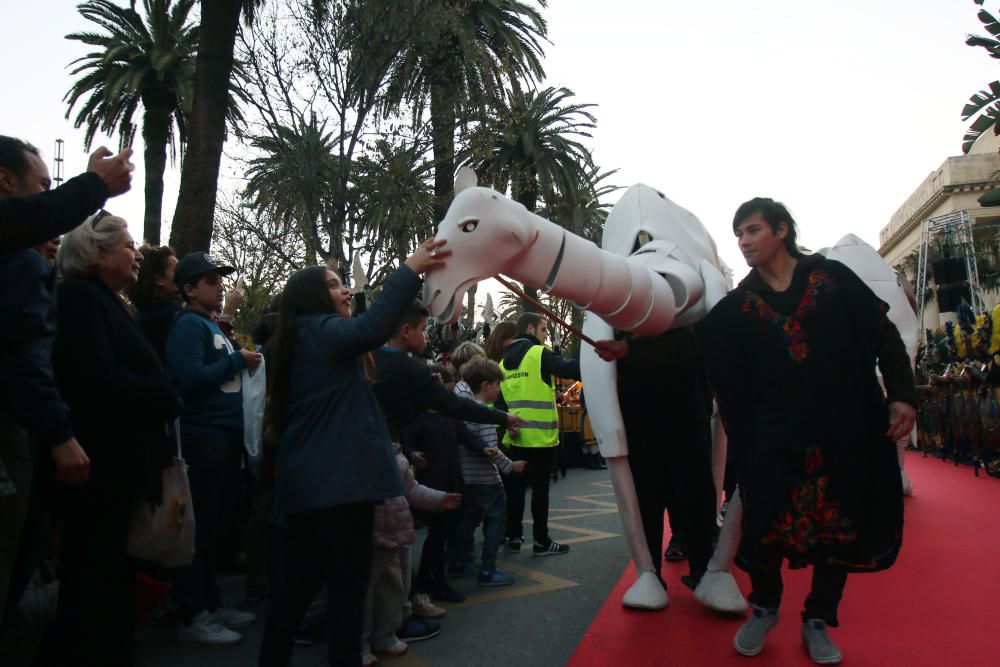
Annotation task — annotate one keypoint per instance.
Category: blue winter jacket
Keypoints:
(335, 447)
(207, 370)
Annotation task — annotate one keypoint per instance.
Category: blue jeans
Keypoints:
(481, 500)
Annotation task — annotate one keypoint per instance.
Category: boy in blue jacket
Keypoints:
(201, 361)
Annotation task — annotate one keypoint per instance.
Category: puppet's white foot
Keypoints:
(907, 484)
(718, 590)
(646, 593)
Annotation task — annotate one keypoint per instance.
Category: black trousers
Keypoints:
(672, 469)
(213, 473)
(432, 575)
(536, 475)
(95, 621)
(331, 546)
(822, 602)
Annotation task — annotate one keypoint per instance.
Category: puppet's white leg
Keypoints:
(719, 447)
(600, 383)
(718, 589)
(901, 445)
(647, 592)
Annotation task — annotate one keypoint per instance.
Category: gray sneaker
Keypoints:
(749, 640)
(817, 642)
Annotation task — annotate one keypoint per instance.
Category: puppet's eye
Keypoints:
(470, 226)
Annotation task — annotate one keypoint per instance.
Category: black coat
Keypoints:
(113, 381)
(794, 374)
(28, 221)
(27, 331)
(405, 389)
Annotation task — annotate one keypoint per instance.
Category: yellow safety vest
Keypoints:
(532, 400)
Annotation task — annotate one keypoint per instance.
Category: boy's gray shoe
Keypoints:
(817, 642)
(749, 640)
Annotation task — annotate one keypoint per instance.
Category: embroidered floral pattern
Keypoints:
(793, 333)
(812, 519)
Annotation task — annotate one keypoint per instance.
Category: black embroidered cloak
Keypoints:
(794, 374)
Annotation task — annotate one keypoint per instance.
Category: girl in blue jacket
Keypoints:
(334, 459)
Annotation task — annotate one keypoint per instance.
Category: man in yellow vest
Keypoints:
(528, 390)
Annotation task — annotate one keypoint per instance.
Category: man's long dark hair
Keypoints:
(774, 213)
(306, 293)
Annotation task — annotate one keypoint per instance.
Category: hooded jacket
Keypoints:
(552, 363)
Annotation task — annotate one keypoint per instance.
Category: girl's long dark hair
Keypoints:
(306, 293)
(154, 265)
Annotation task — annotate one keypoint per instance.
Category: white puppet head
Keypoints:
(486, 233)
(644, 216)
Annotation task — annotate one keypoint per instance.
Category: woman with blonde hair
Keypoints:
(112, 380)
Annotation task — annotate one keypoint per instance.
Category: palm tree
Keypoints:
(193, 217)
(294, 177)
(393, 197)
(457, 57)
(984, 106)
(530, 143)
(148, 63)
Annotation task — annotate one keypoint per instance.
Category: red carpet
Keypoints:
(939, 605)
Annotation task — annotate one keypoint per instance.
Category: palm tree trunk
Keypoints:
(470, 307)
(443, 138)
(192, 224)
(527, 196)
(155, 135)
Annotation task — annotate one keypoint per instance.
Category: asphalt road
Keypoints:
(537, 621)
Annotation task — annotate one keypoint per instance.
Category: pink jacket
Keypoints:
(393, 521)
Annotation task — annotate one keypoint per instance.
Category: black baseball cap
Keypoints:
(195, 264)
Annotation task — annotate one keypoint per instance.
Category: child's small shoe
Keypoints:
(423, 607)
(494, 577)
(466, 569)
(449, 594)
(391, 645)
(415, 630)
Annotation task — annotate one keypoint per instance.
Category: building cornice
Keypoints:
(932, 203)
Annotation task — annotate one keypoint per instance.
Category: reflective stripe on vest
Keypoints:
(532, 400)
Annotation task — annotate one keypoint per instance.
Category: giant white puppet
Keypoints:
(658, 268)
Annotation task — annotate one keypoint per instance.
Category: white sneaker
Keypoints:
(205, 632)
(232, 618)
(392, 646)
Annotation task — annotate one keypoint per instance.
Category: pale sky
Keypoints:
(839, 109)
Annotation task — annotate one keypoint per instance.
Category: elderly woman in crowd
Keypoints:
(112, 379)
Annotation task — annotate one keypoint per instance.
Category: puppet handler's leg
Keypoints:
(647, 592)
(718, 589)
(901, 445)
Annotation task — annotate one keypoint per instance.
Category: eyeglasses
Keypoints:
(97, 217)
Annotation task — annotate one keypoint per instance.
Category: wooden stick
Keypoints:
(553, 316)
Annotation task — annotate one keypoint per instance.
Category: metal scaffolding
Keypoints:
(956, 227)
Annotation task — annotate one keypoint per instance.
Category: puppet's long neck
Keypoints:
(542, 259)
